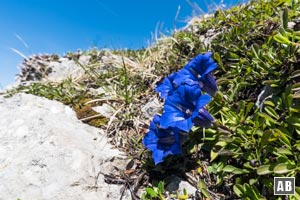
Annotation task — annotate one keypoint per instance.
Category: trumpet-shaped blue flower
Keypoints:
(182, 107)
(167, 86)
(203, 119)
(201, 64)
(208, 84)
(162, 142)
(198, 71)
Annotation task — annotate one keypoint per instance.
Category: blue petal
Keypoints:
(184, 125)
(176, 98)
(170, 119)
(204, 119)
(158, 156)
(192, 92)
(171, 107)
(209, 84)
(201, 65)
(184, 76)
(185, 95)
(176, 149)
(150, 140)
(202, 101)
(209, 68)
(207, 55)
(156, 119)
(166, 87)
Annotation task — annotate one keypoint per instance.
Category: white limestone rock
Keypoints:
(46, 153)
(65, 67)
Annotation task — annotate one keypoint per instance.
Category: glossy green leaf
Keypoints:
(281, 39)
(238, 190)
(234, 170)
(285, 18)
(213, 155)
(203, 188)
(283, 168)
(263, 170)
(269, 103)
(271, 112)
(284, 151)
(151, 192)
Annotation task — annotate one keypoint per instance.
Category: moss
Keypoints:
(85, 111)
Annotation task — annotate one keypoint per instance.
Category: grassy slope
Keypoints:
(256, 51)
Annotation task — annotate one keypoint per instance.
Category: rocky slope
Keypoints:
(47, 153)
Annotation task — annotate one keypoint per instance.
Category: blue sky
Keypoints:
(59, 26)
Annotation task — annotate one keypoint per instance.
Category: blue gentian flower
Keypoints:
(203, 119)
(202, 64)
(167, 86)
(162, 142)
(198, 71)
(208, 84)
(182, 107)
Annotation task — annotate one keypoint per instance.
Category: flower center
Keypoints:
(168, 140)
(201, 84)
(188, 112)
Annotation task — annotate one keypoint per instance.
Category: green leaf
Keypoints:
(267, 117)
(285, 18)
(234, 170)
(269, 103)
(233, 56)
(284, 135)
(263, 169)
(283, 168)
(297, 192)
(281, 39)
(213, 155)
(248, 108)
(151, 192)
(295, 121)
(271, 112)
(253, 181)
(161, 187)
(266, 137)
(221, 143)
(284, 151)
(280, 168)
(297, 146)
(252, 192)
(238, 190)
(203, 189)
